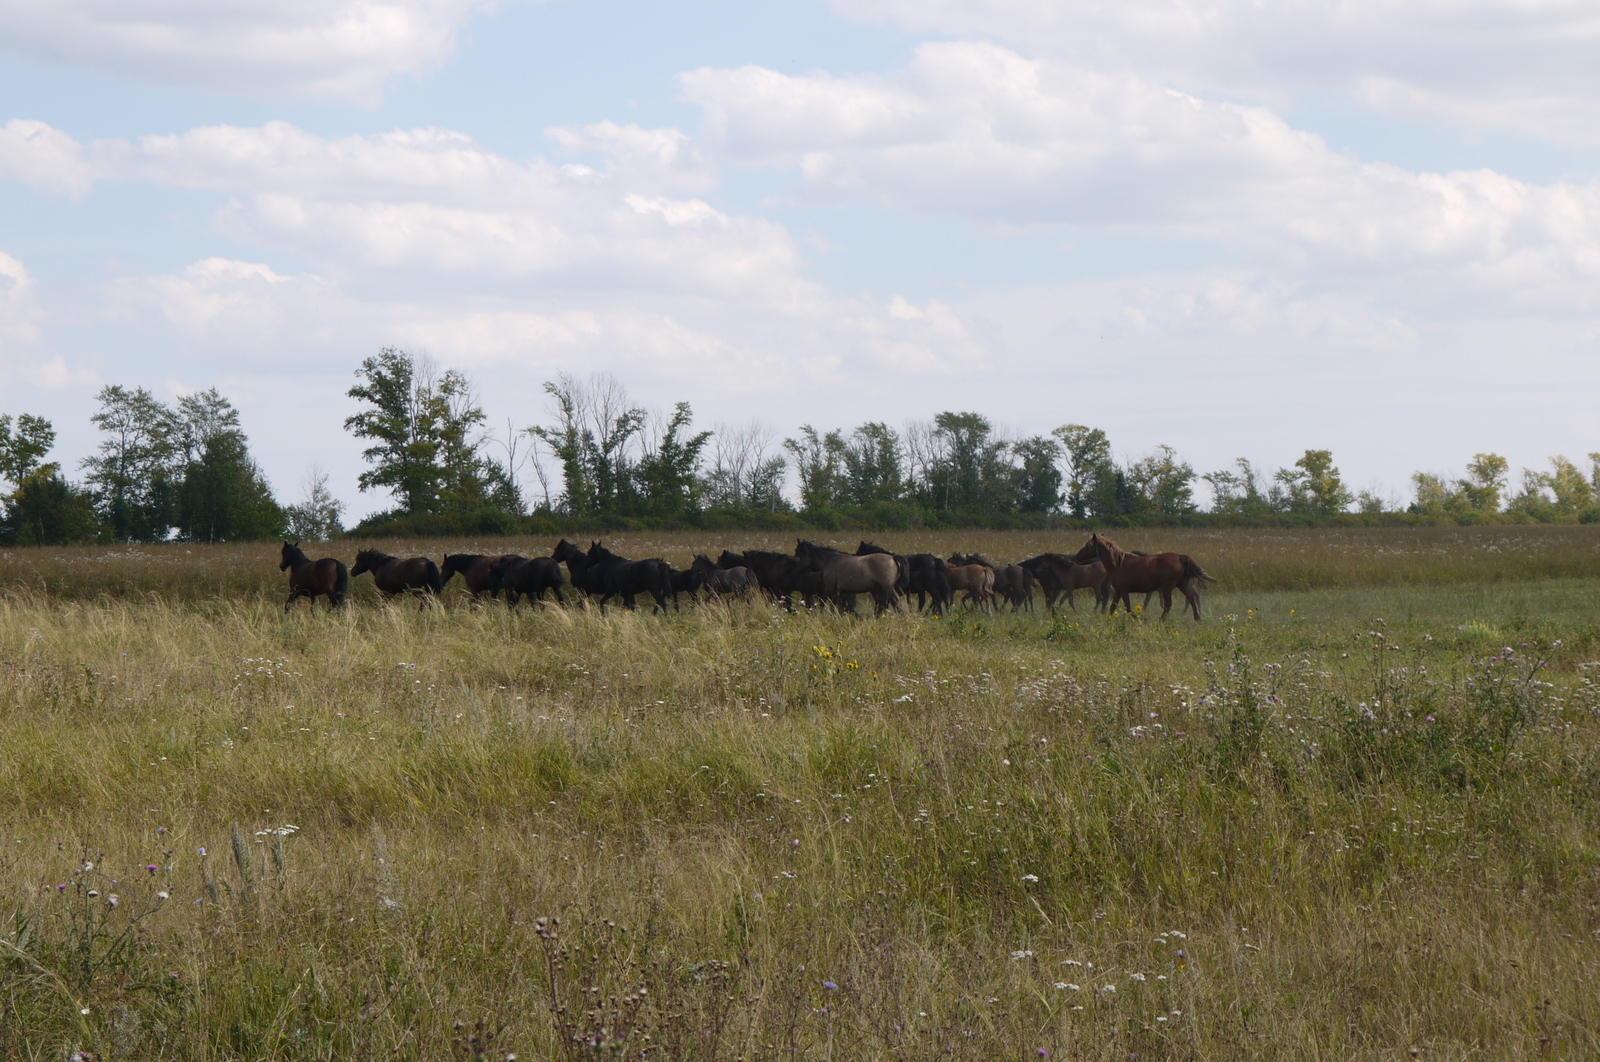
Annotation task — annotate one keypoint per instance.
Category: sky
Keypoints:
(1233, 227)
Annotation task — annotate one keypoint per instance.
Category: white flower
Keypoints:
(1022, 954)
(1070, 962)
(1109, 988)
(1137, 976)
(162, 896)
(113, 899)
(1060, 985)
(1030, 877)
(1180, 936)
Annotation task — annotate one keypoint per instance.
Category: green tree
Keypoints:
(1163, 483)
(1038, 476)
(222, 496)
(972, 476)
(668, 474)
(1313, 486)
(22, 448)
(46, 510)
(133, 473)
(1485, 484)
(1092, 478)
(1237, 491)
(819, 462)
(873, 465)
(423, 427)
(315, 518)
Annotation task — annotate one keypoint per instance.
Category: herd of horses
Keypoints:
(813, 574)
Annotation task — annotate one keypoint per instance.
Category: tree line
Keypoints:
(184, 471)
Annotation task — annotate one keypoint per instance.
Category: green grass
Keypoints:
(1337, 822)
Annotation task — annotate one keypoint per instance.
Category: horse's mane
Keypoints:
(293, 551)
(377, 556)
(1115, 552)
(597, 552)
(811, 547)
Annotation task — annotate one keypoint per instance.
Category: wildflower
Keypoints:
(1137, 977)
(1022, 954)
(829, 985)
(1109, 988)
(202, 850)
(85, 1010)
(93, 893)
(87, 866)
(113, 899)
(162, 895)
(1030, 877)
(151, 867)
(1070, 962)
(1067, 986)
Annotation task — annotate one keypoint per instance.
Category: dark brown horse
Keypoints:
(532, 576)
(308, 578)
(924, 576)
(1011, 581)
(1061, 576)
(1133, 573)
(391, 575)
(477, 571)
(777, 573)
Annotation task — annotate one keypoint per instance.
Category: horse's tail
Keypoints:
(341, 581)
(435, 582)
(903, 579)
(1191, 570)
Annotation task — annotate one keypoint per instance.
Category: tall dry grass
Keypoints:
(1341, 822)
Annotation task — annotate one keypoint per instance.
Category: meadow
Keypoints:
(1351, 815)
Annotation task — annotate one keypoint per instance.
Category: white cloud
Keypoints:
(19, 313)
(43, 157)
(54, 374)
(342, 49)
(1523, 65)
(976, 129)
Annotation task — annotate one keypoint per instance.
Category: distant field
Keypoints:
(1353, 815)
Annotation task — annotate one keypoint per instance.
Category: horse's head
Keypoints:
(565, 551)
(363, 563)
(730, 559)
(289, 551)
(702, 564)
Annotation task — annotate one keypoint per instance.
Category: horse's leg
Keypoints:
(1191, 596)
(292, 595)
(1166, 601)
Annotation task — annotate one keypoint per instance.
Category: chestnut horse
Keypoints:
(1133, 573)
(392, 576)
(308, 578)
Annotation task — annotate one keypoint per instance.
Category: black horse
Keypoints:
(737, 580)
(624, 578)
(528, 575)
(778, 574)
(308, 578)
(391, 575)
(686, 582)
(925, 577)
(585, 576)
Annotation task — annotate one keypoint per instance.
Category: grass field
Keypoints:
(1351, 815)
